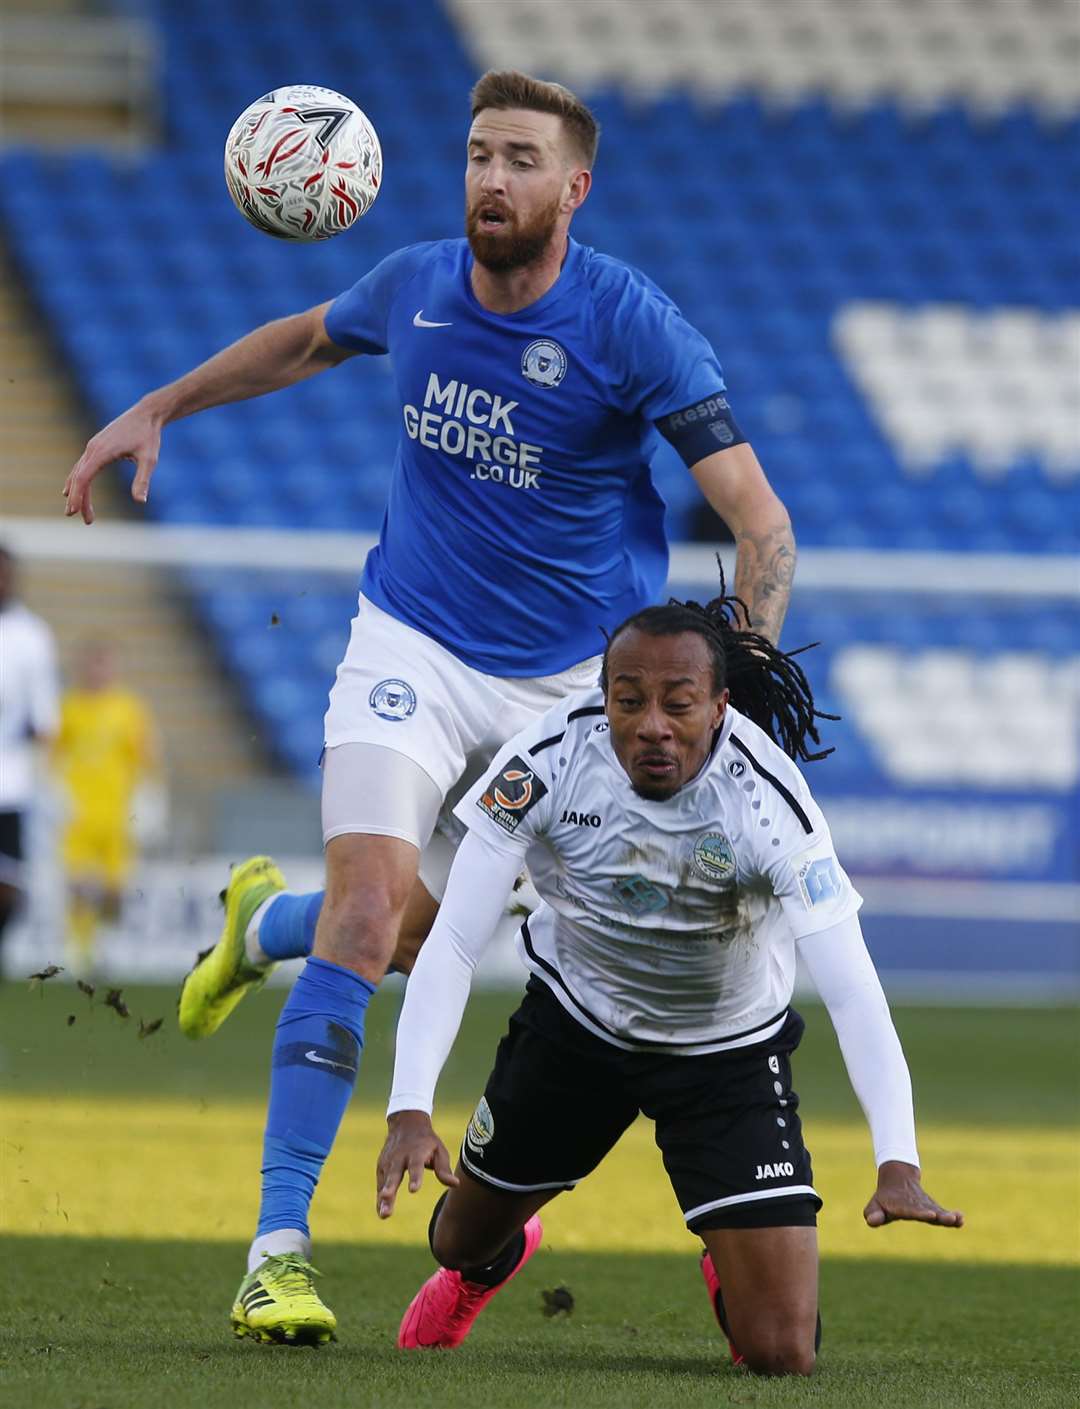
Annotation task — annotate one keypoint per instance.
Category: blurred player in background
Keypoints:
(105, 749)
(522, 524)
(29, 713)
(681, 860)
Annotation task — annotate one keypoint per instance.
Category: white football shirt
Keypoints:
(29, 700)
(667, 925)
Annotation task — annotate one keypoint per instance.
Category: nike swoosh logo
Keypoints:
(313, 1056)
(419, 321)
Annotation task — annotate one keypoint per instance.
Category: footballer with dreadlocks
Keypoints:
(532, 377)
(681, 863)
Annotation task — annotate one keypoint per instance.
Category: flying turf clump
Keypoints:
(560, 1301)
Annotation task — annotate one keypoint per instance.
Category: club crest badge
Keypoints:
(394, 700)
(481, 1127)
(714, 860)
(543, 363)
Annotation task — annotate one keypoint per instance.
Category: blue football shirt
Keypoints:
(522, 520)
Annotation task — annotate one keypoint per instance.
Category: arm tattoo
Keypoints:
(764, 568)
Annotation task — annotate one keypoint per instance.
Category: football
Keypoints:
(303, 163)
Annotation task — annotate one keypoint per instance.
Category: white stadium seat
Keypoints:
(998, 386)
(989, 54)
(949, 718)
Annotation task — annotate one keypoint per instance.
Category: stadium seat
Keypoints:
(873, 219)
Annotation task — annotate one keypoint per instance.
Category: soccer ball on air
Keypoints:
(303, 163)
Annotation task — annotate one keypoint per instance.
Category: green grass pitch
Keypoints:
(128, 1171)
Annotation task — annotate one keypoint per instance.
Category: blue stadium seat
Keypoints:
(764, 226)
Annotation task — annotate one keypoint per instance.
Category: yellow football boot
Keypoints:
(222, 974)
(277, 1304)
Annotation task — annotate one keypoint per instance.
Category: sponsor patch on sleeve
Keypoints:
(511, 794)
(819, 880)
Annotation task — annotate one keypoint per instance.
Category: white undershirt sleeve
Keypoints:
(844, 975)
(481, 880)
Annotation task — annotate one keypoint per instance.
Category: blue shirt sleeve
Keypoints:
(359, 317)
(659, 362)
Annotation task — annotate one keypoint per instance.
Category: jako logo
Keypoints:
(581, 819)
(774, 1171)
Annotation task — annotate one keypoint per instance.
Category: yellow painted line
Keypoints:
(187, 1170)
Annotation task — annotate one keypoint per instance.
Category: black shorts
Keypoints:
(11, 847)
(727, 1123)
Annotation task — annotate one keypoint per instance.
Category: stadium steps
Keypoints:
(207, 741)
(38, 412)
(206, 744)
(77, 74)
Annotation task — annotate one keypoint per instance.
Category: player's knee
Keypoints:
(456, 1246)
(363, 922)
(457, 1242)
(778, 1352)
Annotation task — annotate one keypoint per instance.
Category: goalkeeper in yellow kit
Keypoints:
(104, 750)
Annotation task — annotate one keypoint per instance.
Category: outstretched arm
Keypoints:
(268, 359)
(734, 484)
(844, 975)
(481, 880)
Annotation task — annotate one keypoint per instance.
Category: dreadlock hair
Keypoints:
(766, 684)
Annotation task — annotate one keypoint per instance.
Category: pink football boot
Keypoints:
(712, 1282)
(441, 1313)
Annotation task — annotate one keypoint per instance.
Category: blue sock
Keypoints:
(320, 1034)
(287, 930)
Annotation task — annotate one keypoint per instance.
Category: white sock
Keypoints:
(279, 1241)
(252, 948)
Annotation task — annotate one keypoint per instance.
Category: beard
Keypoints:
(512, 246)
(655, 792)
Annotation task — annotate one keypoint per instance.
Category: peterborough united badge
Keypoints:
(393, 699)
(543, 363)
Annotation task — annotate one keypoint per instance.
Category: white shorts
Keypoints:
(400, 690)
